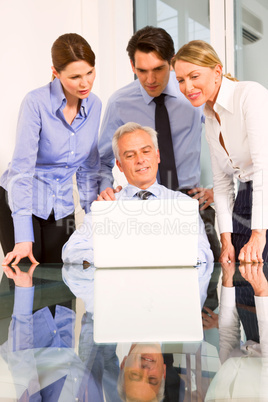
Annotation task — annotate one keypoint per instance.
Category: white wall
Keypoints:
(27, 30)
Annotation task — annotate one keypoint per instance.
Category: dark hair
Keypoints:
(68, 48)
(151, 39)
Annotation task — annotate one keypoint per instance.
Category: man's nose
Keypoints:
(151, 77)
(140, 158)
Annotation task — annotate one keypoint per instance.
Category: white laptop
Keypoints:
(151, 233)
(147, 305)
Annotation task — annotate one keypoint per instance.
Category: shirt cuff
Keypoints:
(261, 304)
(23, 304)
(228, 296)
(23, 228)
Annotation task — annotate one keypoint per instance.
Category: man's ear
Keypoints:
(122, 365)
(158, 156)
(132, 66)
(165, 371)
(54, 72)
(118, 164)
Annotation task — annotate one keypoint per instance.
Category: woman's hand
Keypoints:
(228, 271)
(21, 250)
(205, 196)
(210, 319)
(253, 249)
(227, 249)
(253, 273)
(20, 278)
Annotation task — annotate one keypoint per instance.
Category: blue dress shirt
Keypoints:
(79, 247)
(41, 357)
(132, 103)
(48, 153)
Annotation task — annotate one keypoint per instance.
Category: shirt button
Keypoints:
(72, 134)
(72, 152)
(57, 179)
(53, 195)
(66, 167)
(55, 331)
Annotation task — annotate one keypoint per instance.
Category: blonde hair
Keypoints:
(200, 53)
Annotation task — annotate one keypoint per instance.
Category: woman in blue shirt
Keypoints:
(57, 136)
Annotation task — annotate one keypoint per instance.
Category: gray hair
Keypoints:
(122, 393)
(131, 128)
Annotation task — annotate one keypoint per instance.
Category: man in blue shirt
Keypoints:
(137, 156)
(150, 50)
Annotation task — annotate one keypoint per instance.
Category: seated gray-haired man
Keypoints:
(137, 156)
(142, 374)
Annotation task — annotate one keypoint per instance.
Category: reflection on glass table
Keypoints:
(50, 353)
(244, 371)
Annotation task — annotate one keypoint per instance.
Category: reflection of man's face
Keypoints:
(138, 158)
(144, 370)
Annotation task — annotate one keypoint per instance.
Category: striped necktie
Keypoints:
(143, 194)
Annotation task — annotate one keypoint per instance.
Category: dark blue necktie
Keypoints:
(167, 166)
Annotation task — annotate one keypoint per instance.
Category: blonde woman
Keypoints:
(237, 133)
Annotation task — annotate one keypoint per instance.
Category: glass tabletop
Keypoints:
(76, 333)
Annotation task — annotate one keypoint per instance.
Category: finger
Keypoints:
(8, 272)
(242, 269)
(248, 255)
(107, 196)
(110, 195)
(8, 258)
(99, 198)
(259, 256)
(16, 268)
(195, 190)
(31, 269)
(208, 310)
(201, 199)
(17, 260)
(204, 206)
(241, 256)
(199, 196)
(226, 260)
(253, 256)
(32, 259)
(118, 189)
(211, 313)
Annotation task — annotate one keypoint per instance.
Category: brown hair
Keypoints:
(69, 48)
(200, 53)
(151, 39)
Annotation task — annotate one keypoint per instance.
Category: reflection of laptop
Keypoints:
(147, 305)
(154, 233)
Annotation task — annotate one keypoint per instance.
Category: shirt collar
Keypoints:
(172, 89)
(130, 190)
(225, 98)
(58, 99)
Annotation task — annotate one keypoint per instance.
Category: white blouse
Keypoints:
(243, 109)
